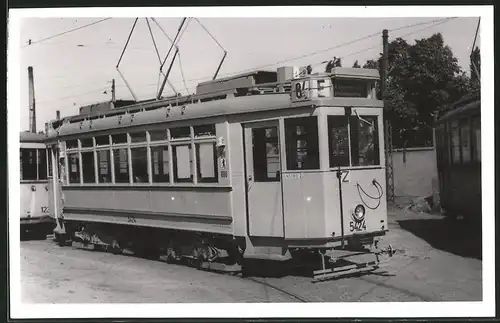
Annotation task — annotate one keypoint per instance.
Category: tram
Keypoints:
(458, 138)
(34, 170)
(266, 166)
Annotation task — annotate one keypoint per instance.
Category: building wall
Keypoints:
(415, 172)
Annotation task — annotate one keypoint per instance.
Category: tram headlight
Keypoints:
(33, 188)
(359, 212)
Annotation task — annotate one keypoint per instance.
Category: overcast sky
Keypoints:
(75, 69)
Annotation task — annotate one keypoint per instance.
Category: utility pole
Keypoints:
(31, 87)
(387, 126)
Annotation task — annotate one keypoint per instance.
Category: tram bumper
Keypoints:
(36, 220)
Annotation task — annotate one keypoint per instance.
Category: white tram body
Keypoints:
(248, 165)
(34, 193)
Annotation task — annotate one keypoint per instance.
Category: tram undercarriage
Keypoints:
(221, 254)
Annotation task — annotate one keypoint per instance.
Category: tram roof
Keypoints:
(26, 136)
(467, 106)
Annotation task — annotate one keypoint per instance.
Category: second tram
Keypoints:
(257, 166)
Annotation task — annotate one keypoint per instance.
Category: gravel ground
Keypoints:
(428, 269)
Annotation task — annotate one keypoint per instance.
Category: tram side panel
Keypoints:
(34, 204)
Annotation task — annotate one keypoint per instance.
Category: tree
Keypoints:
(475, 59)
(421, 79)
(356, 65)
(335, 62)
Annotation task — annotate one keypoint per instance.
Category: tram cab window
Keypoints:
(206, 162)
(338, 140)
(140, 165)
(74, 168)
(182, 163)
(465, 140)
(266, 154)
(160, 164)
(476, 138)
(28, 164)
(42, 164)
(301, 137)
(364, 141)
(104, 164)
(88, 167)
(138, 136)
(455, 143)
(121, 165)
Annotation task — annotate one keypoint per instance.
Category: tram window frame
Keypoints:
(88, 167)
(28, 163)
(42, 164)
(107, 177)
(74, 163)
(160, 169)
(262, 139)
(309, 135)
(176, 164)
(355, 126)
(139, 162)
(122, 175)
(465, 138)
(210, 158)
(339, 122)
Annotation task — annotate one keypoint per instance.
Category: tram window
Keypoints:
(88, 167)
(266, 157)
(455, 143)
(476, 138)
(74, 168)
(301, 137)
(182, 163)
(28, 164)
(338, 140)
(206, 162)
(465, 140)
(42, 164)
(87, 142)
(158, 135)
(138, 136)
(72, 144)
(104, 162)
(121, 165)
(160, 164)
(119, 138)
(102, 140)
(204, 130)
(364, 141)
(177, 133)
(49, 160)
(140, 164)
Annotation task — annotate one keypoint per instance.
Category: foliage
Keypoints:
(422, 78)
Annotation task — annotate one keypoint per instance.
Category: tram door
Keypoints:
(263, 179)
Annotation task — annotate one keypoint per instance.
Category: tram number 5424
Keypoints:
(357, 226)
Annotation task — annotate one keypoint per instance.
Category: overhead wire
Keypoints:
(65, 32)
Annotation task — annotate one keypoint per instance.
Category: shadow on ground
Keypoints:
(462, 238)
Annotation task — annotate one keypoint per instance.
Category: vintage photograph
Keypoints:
(205, 159)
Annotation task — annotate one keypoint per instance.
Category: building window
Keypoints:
(266, 154)
(364, 141)
(158, 135)
(338, 140)
(476, 138)
(121, 165)
(182, 163)
(104, 164)
(138, 136)
(455, 143)
(42, 164)
(28, 164)
(465, 140)
(74, 168)
(206, 162)
(160, 164)
(140, 164)
(301, 136)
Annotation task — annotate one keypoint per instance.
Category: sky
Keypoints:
(76, 69)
